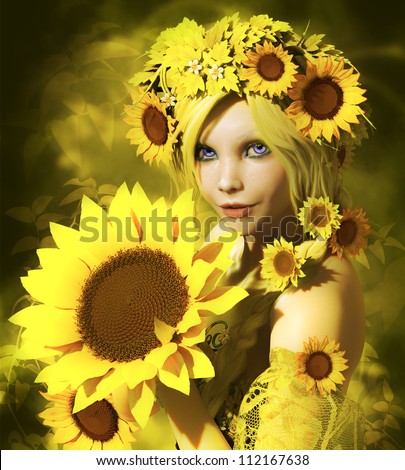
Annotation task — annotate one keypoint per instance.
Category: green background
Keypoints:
(34, 36)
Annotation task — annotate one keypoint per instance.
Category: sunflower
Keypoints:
(319, 367)
(270, 70)
(319, 217)
(124, 300)
(281, 265)
(96, 427)
(352, 234)
(325, 99)
(152, 128)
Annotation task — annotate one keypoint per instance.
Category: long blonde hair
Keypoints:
(312, 171)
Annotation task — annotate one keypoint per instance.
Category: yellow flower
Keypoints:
(319, 216)
(281, 265)
(270, 71)
(152, 129)
(325, 99)
(123, 300)
(352, 234)
(99, 426)
(319, 367)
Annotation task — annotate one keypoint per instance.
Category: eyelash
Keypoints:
(204, 158)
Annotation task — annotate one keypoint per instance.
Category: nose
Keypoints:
(229, 178)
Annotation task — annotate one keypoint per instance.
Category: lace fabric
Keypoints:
(278, 413)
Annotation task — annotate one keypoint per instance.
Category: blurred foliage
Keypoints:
(65, 71)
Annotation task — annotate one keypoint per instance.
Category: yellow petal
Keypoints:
(197, 276)
(32, 350)
(81, 443)
(174, 374)
(198, 364)
(63, 435)
(222, 299)
(158, 356)
(138, 371)
(191, 318)
(163, 331)
(141, 402)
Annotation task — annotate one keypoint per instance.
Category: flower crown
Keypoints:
(312, 82)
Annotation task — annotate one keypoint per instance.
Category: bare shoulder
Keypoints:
(328, 303)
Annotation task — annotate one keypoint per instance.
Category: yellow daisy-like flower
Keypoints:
(270, 70)
(281, 265)
(352, 234)
(319, 367)
(319, 217)
(123, 301)
(99, 426)
(152, 129)
(325, 99)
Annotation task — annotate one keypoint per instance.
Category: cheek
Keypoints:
(206, 181)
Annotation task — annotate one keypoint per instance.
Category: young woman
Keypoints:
(261, 122)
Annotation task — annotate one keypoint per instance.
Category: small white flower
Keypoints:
(168, 99)
(216, 72)
(194, 66)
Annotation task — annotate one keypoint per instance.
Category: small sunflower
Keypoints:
(124, 303)
(319, 367)
(152, 129)
(319, 217)
(325, 99)
(96, 427)
(270, 70)
(281, 265)
(352, 234)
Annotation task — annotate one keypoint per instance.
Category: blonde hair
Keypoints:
(312, 170)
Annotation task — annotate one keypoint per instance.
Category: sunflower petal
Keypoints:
(198, 364)
(141, 402)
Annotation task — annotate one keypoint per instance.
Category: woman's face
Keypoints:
(239, 175)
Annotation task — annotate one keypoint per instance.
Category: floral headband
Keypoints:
(312, 82)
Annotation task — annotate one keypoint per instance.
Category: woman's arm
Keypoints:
(192, 426)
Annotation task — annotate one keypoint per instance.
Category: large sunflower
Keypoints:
(152, 128)
(352, 234)
(123, 300)
(99, 426)
(320, 365)
(325, 99)
(281, 265)
(319, 217)
(270, 70)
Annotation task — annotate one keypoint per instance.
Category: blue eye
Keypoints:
(204, 153)
(257, 150)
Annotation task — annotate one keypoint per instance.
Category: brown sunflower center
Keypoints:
(121, 299)
(155, 126)
(319, 216)
(319, 365)
(99, 421)
(347, 232)
(270, 67)
(323, 98)
(284, 263)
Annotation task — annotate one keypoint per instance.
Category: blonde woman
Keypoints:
(263, 122)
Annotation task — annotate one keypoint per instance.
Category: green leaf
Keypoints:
(34, 146)
(369, 351)
(388, 395)
(6, 398)
(392, 422)
(25, 244)
(75, 102)
(378, 250)
(102, 117)
(362, 259)
(397, 410)
(96, 29)
(57, 88)
(381, 406)
(34, 439)
(391, 241)
(40, 204)
(78, 182)
(23, 214)
(102, 50)
(108, 189)
(8, 349)
(373, 436)
(388, 445)
(384, 230)
(378, 424)
(77, 195)
(47, 242)
(21, 392)
(44, 219)
(105, 201)
(66, 134)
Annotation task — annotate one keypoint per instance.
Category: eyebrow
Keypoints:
(249, 136)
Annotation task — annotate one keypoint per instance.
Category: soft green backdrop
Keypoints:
(64, 69)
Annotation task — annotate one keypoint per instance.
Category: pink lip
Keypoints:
(236, 210)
